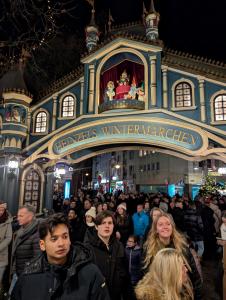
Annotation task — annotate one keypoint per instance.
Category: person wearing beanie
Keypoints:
(122, 205)
(90, 216)
(124, 224)
(5, 239)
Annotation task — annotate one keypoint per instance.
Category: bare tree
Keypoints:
(28, 25)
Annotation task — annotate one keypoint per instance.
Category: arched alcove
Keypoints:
(113, 70)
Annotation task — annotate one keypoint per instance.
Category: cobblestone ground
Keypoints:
(210, 269)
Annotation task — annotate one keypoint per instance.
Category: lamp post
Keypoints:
(13, 166)
(86, 181)
(117, 167)
(115, 173)
(60, 171)
(11, 185)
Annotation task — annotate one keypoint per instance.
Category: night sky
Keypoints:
(196, 26)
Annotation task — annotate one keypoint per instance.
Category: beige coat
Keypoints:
(5, 239)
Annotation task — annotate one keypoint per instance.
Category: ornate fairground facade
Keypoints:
(130, 91)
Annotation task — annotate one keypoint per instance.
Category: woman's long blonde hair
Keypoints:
(163, 281)
(153, 243)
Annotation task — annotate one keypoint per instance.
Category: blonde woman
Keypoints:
(164, 235)
(166, 278)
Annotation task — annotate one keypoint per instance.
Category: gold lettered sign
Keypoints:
(164, 133)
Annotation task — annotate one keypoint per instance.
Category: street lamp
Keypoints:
(115, 174)
(13, 165)
(60, 171)
(87, 179)
(117, 167)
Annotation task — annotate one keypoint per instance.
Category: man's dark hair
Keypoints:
(49, 224)
(103, 215)
(134, 237)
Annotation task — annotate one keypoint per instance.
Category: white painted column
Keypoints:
(153, 81)
(91, 89)
(54, 112)
(202, 99)
(165, 87)
(81, 96)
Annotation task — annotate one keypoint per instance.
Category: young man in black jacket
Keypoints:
(62, 271)
(109, 255)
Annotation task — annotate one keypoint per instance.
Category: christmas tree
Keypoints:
(210, 186)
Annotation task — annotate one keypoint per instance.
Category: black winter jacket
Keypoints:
(79, 279)
(193, 225)
(178, 217)
(113, 265)
(124, 225)
(25, 247)
(78, 230)
(208, 223)
(134, 259)
(194, 275)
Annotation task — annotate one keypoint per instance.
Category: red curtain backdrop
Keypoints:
(133, 70)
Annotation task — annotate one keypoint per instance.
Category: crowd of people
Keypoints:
(104, 246)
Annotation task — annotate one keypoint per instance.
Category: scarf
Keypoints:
(22, 231)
